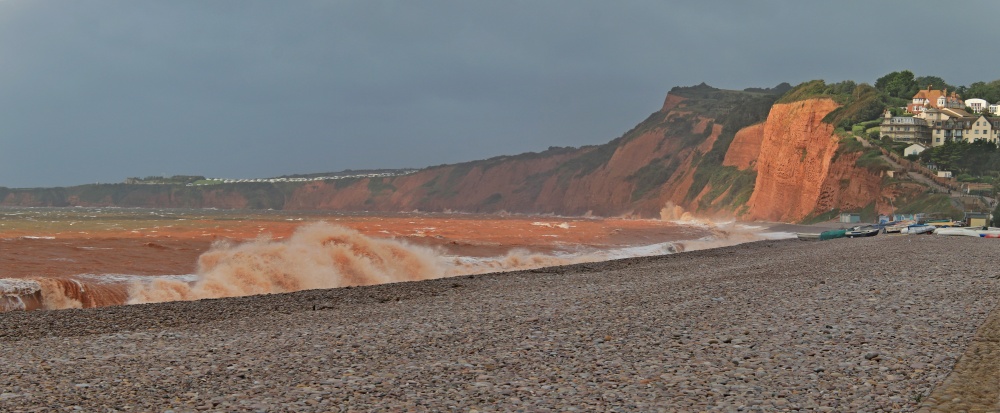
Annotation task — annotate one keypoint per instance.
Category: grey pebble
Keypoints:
(844, 325)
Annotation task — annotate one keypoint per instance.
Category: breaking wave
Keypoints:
(318, 255)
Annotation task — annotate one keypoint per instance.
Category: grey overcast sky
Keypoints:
(97, 91)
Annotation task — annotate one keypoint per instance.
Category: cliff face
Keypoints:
(850, 188)
(796, 153)
(745, 149)
(710, 151)
(597, 180)
(799, 172)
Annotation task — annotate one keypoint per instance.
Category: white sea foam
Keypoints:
(18, 287)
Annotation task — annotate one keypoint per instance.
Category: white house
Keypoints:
(914, 149)
(977, 105)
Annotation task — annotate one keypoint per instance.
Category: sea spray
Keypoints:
(673, 212)
(318, 255)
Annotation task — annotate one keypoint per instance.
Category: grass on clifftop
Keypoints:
(816, 89)
(858, 102)
(717, 104)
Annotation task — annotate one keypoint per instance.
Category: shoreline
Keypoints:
(768, 324)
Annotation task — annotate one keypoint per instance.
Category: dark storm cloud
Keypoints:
(100, 90)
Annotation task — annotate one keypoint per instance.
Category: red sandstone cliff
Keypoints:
(795, 156)
(745, 149)
(798, 174)
(592, 180)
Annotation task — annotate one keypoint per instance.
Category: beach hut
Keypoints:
(977, 219)
(850, 217)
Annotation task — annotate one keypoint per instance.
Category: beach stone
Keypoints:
(795, 330)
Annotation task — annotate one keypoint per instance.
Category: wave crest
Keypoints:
(318, 255)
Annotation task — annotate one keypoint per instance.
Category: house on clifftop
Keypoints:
(937, 99)
(907, 129)
(935, 127)
(958, 125)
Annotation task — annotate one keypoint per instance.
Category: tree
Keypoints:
(935, 82)
(989, 92)
(898, 84)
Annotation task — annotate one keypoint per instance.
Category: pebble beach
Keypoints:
(882, 324)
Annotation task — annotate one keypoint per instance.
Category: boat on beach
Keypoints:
(862, 231)
(854, 232)
(821, 236)
(897, 226)
(916, 229)
(982, 232)
(832, 234)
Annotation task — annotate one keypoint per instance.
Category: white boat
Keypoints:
(917, 229)
(983, 232)
(808, 236)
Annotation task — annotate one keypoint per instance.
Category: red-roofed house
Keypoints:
(932, 98)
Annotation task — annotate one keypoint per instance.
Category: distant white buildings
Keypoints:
(216, 181)
(977, 105)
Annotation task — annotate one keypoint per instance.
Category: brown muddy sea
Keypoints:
(55, 258)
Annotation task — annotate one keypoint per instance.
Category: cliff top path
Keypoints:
(873, 324)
